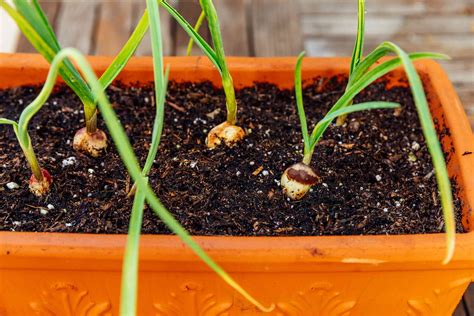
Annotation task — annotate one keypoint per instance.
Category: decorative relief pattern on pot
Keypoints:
(319, 300)
(192, 300)
(66, 299)
(429, 305)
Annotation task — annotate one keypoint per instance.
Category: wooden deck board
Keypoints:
(76, 23)
(113, 26)
(405, 7)
(276, 28)
(235, 36)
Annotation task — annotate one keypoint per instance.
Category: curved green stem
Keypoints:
(434, 147)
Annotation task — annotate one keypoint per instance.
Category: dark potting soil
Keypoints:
(377, 176)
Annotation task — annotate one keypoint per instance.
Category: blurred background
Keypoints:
(274, 28)
(277, 28)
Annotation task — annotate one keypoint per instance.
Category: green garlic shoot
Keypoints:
(363, 72)
(227, 133)
(298, 179)
(40, 180)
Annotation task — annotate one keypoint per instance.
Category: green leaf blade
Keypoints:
(197, 26)
(434, 148)
(359, 42)
(299, 102)
(373, 105)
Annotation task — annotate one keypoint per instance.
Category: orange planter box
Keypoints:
(79, 274)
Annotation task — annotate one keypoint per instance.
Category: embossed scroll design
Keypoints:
(66, 299)
(321, 299)
(429, 305)
(192, 299)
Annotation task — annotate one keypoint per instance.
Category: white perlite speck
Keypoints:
(265, 173)
(415, 146)
(43, 211)
(378, 177)
(50, 207)
(90, 170)
(12, 185)
(68, 162)
(385, 210)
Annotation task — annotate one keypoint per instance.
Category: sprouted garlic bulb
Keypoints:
(297, 180)
(224, 133)
(93, 144)
(42, 186)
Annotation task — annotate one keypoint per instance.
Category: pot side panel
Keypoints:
(80, 293)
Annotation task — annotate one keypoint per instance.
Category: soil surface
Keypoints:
(377, 176)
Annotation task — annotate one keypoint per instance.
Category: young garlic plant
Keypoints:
(227, 133)
(40, 180)
(364, 71)
(298, 179)
(33, 23)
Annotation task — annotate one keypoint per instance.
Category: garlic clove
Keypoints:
(297, 180)
(40, 188)
(93, 144)
(224, 133)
